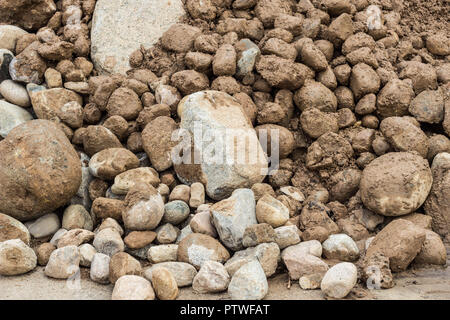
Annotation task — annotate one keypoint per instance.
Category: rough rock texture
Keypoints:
(249, 283)
(340, 246)
(30, 15)
(304, 259)
(10, 229)
(113, 42)
(11, 116)
(39, 170)
(339, 280)
(218, 110)
(400, 241)
(437, 204)
(63, 263)
(197, 248)
(231, 216)
(396, 183)
(144, 208)
(268, 255)
(433, 250)
(212, 277)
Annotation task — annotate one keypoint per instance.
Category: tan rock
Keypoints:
(139, 239)
(108, 163)
(132, 287)
(123, 264)
(400, 241)
(157, 142)
(11, 228)
(164, 284)
(49, 183)
(197, 248)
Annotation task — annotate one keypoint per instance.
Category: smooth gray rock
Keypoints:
(100, 268)
(109, 242)
(44, 226)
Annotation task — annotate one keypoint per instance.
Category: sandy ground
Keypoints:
(429, 283)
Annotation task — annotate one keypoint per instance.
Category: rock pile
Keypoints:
(88, 155)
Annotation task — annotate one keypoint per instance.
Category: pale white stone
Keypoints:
(121, 27)
(339, 280)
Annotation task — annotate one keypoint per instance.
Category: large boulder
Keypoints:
(437, 204)
(39, 170)
(216, 113)
(396, 183)
(119, 28)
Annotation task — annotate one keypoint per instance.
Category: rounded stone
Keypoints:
(100, 268)
(15, 93)
(176, 212)
(123, 264)
(339, 280)
(216, 111)
(165, 284)
(108, 163)
(44, 252)
(184, 273)
(29, 191)
(131, 287)
(396, 183)
(11, 228)
(16, 258)
(87, 253)
(144, 208)
(11, 116)
(197, 248)
(44, 226)
(270, 210)
(249, 283)
(63, 263)
(108, 241)
(340, 246)
(76, 217)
